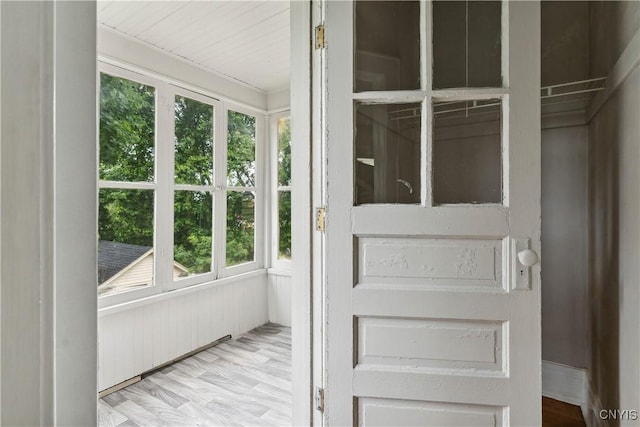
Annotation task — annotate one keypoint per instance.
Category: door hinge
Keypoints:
(319, 399)
(320, 43)
(320, 219)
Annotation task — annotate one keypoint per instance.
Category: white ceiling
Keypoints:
(245, 40)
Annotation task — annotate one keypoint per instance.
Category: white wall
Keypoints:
(279, 294)
(614, 209)
(564, 245)
(279, 100)
(136, 337)
(615, 248)
(48, 197)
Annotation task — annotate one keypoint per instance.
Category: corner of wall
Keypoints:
(614, 206)
(592, 406)
(278, 100)
(279, 298)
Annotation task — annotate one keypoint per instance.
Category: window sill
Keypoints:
(116, 308)
(280, 271)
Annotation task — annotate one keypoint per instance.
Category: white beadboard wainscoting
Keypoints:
(279, 294)
(136, 337)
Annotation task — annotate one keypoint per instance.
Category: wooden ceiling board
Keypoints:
(151, 15)
(229, 34)
(265, 35)
(245, 40)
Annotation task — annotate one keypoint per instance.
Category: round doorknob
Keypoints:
(527, 257)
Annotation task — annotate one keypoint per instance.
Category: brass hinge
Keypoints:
(320, 43)
(320, 219)
(319, 399)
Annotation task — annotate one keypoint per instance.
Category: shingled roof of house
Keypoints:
(115, 256)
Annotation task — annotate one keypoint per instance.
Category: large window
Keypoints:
(281, 177)
(179, 190)
(192, 197)
(241, 194)
(127, 185)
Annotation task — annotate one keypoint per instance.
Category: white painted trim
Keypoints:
(260, 149)
(48, 263)
(73, 213)
(301, 293)
(564, 383)
(624, 66)
(267, 179)
(279, 272)
(273, 210)
(317, 195)
(0, 207)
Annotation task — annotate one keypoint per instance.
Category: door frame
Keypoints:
(305, 338)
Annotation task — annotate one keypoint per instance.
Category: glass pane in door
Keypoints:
(467, 44)
(467, 152)
(387, 45)
(387, 153)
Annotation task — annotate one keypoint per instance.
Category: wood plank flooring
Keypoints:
(241, 382)
(560, 414)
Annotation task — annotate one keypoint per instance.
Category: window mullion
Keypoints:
(220, 193)
(272, 194)
(262, 170)
(426, 34)
(164, 191)
(124, 185)
(276, 190)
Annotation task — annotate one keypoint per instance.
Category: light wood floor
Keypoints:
(241, 382)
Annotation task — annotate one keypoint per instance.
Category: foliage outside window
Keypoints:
(284, 188)
(193, 202)
(126, 194)
(241, 177)
(145, 206)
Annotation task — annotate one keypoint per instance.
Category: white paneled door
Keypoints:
(432, 193)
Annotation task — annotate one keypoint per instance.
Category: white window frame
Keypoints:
(156, 287)
(277, 264)
(215, 188)
(258, 236)
(164, 186)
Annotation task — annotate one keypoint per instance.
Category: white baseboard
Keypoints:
(593, 407)
(564, 383)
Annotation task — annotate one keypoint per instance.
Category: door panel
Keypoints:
(430, 319)
(435, 263)
(386, 412)
(440, 343)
